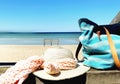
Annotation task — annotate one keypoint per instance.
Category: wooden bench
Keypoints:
(93, 76)
(103, 77)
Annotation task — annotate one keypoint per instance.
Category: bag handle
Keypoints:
(77, 50)
(113, 49)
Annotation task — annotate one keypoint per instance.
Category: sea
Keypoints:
(39, 38)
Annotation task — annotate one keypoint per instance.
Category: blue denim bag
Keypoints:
(96, 48)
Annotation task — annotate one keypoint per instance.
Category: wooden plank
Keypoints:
(103, 77)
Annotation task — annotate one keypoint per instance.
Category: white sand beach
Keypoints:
(14, 53)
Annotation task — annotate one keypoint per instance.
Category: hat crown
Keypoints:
(57, 54)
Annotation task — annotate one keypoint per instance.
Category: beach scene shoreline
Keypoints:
(30, 27)
(18, 46)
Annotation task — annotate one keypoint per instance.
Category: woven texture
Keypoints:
(20, 71)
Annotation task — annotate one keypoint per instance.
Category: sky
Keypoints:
(54, 15)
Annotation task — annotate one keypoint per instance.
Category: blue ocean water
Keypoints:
(39, 38)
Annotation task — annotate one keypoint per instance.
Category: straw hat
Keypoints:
(56, 55)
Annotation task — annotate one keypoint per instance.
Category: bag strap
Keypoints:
(113, 49)
(77, 50)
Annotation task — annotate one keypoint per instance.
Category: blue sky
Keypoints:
(54, 15)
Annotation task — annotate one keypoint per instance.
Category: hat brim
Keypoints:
(64, 74)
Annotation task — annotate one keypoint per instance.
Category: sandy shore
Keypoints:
(13, 53)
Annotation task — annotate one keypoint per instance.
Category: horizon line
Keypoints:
(9, 32)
